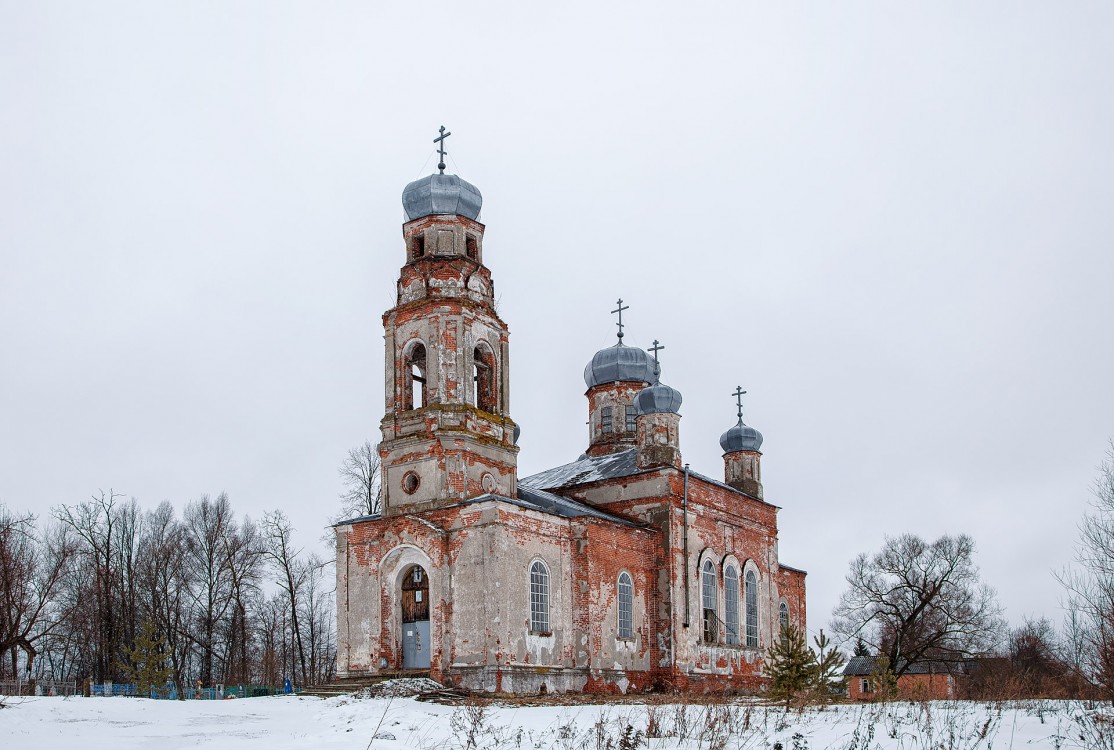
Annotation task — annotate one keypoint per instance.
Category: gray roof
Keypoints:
(621, 363)
(863, 666)
(612, 466)
(590, 469)
(741, 437)
(441, 194)
(554, 505)
(658, 399)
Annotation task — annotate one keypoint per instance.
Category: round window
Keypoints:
(410, 483)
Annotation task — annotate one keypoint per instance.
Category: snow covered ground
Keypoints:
(302, 723)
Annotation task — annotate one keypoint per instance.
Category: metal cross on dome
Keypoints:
(440, 140)
(620, 323)
(655, 349)
(738, 394)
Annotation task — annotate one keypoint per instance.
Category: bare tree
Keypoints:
(277, 533)
(207, 523)
(916, 602)
(1090, 586)
(32, 569)
(360, 474)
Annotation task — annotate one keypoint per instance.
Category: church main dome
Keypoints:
(621, 362)
(441, 194)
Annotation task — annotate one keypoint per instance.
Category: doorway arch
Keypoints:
(414, 596)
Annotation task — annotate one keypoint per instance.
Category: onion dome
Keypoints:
(658, 399)
(741, 437)
(621, 363)
(441, 194)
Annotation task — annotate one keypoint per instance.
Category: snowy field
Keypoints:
(302, 723)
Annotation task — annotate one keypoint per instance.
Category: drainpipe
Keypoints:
(685, 506)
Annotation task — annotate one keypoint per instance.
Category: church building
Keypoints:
(621, 571)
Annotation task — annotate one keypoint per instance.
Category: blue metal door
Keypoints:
(415, 619)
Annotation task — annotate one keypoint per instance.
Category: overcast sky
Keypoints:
(890, 222)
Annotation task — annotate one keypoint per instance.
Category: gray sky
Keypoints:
(891, 223)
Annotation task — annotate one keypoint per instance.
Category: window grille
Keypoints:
(752, 609)
(783, 615)
(606, 425)
(626, 606)
(539, 598)
(731, 604)
(632, 416)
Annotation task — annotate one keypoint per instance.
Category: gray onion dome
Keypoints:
(621, 363)
(441, 194)
(658, 399)
(741, 437)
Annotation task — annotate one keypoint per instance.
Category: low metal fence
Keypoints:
(38, 687)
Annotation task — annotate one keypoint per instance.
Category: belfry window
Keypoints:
(632, 418)
(471, 247)
(731, 604)
(752, 609)
(483, 379)
(539, 598)
(414, 376)
(626, 606)
(419, 245)
(708, 599)
(606, 425)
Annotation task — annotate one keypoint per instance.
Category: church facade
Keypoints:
(621, 571)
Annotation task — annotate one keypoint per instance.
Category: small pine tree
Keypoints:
(860, 648)
(829, 663)
(790, 664)
(147, 661)
(883, 680)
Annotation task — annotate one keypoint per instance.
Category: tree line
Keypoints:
(92, 590)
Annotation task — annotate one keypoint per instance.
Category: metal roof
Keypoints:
(441, 194)
(658, 399)
(741, 437)
(621, 363)
(862, 666)
(554, 505)
(591, 469)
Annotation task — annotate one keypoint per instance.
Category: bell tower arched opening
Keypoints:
(484, 378)
(414, 374)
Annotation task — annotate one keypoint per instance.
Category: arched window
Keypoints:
(731, 604)
(752, 609)
(483, 377)
(539, 598)
(708, 597)
(414, 376)
(783, 615)
(626, 606)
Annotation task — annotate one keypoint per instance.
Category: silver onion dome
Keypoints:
(658, 399)
(621, 363)
(741, 437)
(441, 194)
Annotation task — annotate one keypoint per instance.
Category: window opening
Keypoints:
(539, 598)
(415, 595)
(470, 247)
(626, 606)
(783, 615)
(632, 416)
(752, 609)
(731, 604)
(606, 425)
(414, 397)
(708, 595)
(419, 245)
(483, 379)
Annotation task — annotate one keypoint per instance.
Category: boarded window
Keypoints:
(626, 606)
(731, 604)
(752, 609)
(539, 598)
(606, 425)
(708, 597)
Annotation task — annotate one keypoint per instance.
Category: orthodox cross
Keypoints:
(620, 323)
(738, 394)
(440, 140)
(655, 349)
